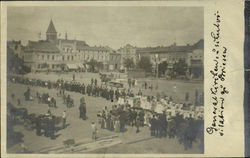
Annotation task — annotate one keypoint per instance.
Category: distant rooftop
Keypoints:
(172, 48)
(41, 46)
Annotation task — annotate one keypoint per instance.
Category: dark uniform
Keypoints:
(52, 127)
(153, 127)
(117, 94)
(82, 108)
(111, 92)
(95, 82)
(38, 126)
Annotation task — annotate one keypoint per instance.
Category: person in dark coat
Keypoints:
(83, 89)
(47, 128)
(123, 94)
(140, 93)
(111, 94)
(152, 123)
(162, 125)
(38, 126)
(92, 81)
(122, 121)
(157, 127)
(82, 108)
(117, 94)
(137, 123)
(95, 82)
(88, 90)
(52, 127)
(27, 94)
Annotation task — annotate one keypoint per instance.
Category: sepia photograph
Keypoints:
(105, 80)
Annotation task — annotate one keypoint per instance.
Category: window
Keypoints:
(63, 57)
(38, 66)
(48, 57)
(53, 66)
(43, 57)
(53, 57)
(68, 57)
(72, 58)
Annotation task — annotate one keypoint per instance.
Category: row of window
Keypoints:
(196, 56)
(71, 57)
(44, 66)
(88, 51)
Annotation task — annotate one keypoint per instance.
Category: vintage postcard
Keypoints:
(122, 79)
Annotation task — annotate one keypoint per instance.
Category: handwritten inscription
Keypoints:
(218, 89)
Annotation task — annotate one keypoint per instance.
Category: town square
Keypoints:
(65, 95)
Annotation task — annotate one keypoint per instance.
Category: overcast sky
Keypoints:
(112, 26)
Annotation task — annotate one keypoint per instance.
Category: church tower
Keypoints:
(51, 34)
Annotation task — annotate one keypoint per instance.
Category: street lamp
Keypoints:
(157, 69)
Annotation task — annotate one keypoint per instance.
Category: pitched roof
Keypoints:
(165, 49)
(79, 43)
(95, 48)
(172, 48)
(51, 28)
(42, 46)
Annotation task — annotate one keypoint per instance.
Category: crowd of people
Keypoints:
(44, 124)
(92, 89)
(121, 115)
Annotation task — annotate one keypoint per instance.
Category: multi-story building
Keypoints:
(195, 60)
(192, 55)
(59, 54)
(127, 52)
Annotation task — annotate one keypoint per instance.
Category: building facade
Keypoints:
(192, 55)
(55, 54)
(127, 52)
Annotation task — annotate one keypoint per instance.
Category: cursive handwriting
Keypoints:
(218, 73)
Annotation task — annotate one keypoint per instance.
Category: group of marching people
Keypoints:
(92, 89)
(119, 116)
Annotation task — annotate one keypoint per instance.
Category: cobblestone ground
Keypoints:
(80, 130)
